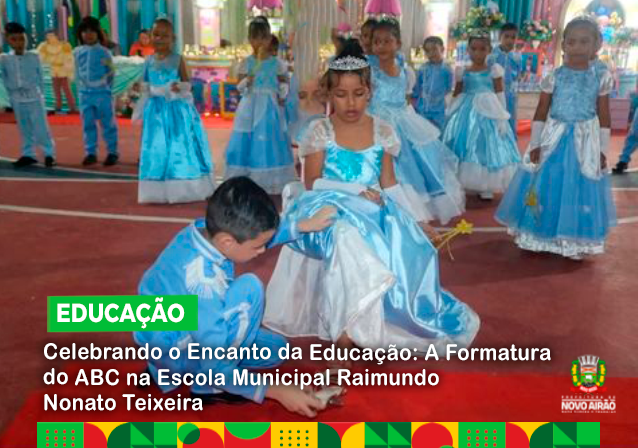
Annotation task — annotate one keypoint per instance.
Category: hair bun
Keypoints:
(352, 48)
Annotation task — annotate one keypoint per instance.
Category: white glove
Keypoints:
(242, 87)
(605, 137)
(537, 134)
(284, 89)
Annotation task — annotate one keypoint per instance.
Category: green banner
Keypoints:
(121, 313)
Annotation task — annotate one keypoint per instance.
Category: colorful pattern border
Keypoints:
(318, 435)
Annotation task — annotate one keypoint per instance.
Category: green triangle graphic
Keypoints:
(376, 434)
(565, 434)
(142, 434)
(397, 435)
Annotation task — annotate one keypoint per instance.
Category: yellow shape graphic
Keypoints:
(293, 435)
(217, 427)
(355, 436)
(529, 427)
(107, 427)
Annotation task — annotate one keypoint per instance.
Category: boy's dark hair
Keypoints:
(142, 31)
(91, 24)
(509, 27)
(353, 49)
(259, 27)
(242, 209)
(389, 24)
(14, 28)
(436, 40)
(164, 21)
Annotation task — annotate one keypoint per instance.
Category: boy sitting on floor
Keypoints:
(241, 223)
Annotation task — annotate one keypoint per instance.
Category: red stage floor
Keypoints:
(73, 236)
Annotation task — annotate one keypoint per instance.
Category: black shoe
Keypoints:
(620, 168)
(49, 162)
(111, 160)
(89, 160)
(220, 398)
(24, 161)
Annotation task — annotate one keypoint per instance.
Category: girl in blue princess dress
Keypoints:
(259, 146)
(425, 167)
(175, 160)
(477, 128)
(560, 200)
(372, 278)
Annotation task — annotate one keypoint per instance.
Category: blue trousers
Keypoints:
(631, 143)
(96, 107)
(239, 327)
(512, 103)
(34, 128)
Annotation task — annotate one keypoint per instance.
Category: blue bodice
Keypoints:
(161, 72)
(387, 91)
(265, 72)
(477, 82)
(345, 165)
(575, 94)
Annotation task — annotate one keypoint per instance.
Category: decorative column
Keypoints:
(48, 15)
(161, 8)
(147, 13)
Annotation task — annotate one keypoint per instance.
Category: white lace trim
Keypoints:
(273, 180)
(561, 246)
(205, 287)
(478, 178)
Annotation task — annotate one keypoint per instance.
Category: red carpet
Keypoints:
(458, 397)
(210, 122)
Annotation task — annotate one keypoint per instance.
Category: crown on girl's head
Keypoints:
(348, 64)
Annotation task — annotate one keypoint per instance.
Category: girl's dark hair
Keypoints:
(509, 27)
(91, 24)
(242, 209)
(352, 48)
(259, 27)
(370, 23)
(479, 36)
(390, 25)
(584, 22)
(14, 28)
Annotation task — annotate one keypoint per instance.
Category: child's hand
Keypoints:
(603, 161)
(535, 156)
(372, 195)
(175, 87)
(296, 400)
(319, 221)
(430, 232)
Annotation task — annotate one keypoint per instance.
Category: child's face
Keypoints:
(52, 38)
(349, 98)
(309, 94)
(89, 37)
(385, 44)
(366, 39)
(144, 39)
(249, 249)
(434, 52)
(162, 37)
(478, 50)
(508, 39)
(580, 45)
(17, 42)
(260, 43)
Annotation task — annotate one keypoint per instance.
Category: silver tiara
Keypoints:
(348, 63)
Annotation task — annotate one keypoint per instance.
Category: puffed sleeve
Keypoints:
(386, 137)
(459, 71)
(497, 71)
(547, 84)
(316, 138)
(606, 83)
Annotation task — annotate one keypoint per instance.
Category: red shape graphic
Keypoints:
(515, 437)
(93, 436)
(207, 439)
(431, 435)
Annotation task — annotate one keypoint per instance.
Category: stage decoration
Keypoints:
(210, 4)
(482, 17)
(267, 5)
(536, 31)
(383, 8)
(626, 37)
(459, 30)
